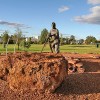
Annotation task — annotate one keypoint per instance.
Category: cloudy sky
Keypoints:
(73, 17)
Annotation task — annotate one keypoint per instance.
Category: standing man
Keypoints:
(54, 39)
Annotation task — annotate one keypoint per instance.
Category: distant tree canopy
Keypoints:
(80, 41)
(18, 36)
(67, 40)
(72, 39)
(98, 41)
(90, 39)
(43, 36)
(5, 38)
(62, 40)
(29, 40)
(11, 41)
(25, 44)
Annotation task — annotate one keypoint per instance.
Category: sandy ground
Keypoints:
(85, 86)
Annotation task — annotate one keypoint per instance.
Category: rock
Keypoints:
(71, 61)
(96, 57)
(80, 70)
(79, 65)
(41, 72)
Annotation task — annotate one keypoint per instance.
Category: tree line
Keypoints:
(69, 40)
(17, 38)
(20, 39)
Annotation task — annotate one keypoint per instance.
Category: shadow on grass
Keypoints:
(86, 83)
(80, 46)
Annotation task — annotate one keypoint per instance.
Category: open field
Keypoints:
(82, 49)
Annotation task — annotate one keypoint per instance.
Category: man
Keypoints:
(54, 38)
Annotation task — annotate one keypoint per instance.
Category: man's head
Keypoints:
(53, 25)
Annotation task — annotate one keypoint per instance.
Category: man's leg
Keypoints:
(53, 46)
(57, 48)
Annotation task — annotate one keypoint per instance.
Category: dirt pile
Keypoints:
(35, 71)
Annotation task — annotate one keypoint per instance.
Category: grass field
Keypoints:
(82, 49)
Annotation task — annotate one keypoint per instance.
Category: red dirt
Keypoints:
(77, 86)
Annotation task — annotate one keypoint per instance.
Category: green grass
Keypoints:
(65, 48)
(80, 49)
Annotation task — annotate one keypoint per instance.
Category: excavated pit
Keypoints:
(39, 72)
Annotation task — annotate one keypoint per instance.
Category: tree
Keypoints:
(11, 41)
(43, 36)
(30, 40)
(72, 39)
(25, 44)
(61, 39)
(18, 37)
(67, 40)
(80, 41)
(5, 38)
(90, 39)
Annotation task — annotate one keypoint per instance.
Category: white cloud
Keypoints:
(92, 18)
(63, 9)
(16, 25)
(94, 2)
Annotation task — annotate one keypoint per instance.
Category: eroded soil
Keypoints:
(76, 86)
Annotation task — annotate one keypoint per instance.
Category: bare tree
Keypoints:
(18, 37)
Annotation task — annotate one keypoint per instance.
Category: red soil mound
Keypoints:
(42, 72)
(76, 86)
